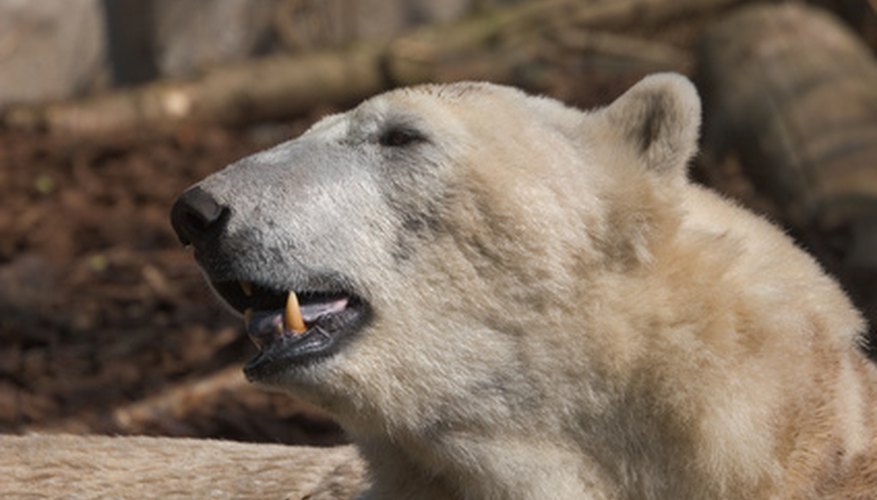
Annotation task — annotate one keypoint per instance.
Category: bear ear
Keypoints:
(659, 118)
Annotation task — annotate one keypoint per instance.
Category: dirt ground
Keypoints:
(105, 323)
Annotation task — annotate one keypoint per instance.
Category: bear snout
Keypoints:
(196, 214)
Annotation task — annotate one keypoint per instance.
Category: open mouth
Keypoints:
(293, 328)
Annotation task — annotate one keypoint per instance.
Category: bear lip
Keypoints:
(331, 319)
(282, 349)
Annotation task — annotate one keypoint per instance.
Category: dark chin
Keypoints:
(320, 342)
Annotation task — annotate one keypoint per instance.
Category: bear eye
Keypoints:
(399, 137)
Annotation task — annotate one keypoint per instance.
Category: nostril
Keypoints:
(194, 214)
(194, 221)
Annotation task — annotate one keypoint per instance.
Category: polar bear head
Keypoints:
(442, 243)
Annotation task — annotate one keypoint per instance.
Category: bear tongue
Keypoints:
(313, 311)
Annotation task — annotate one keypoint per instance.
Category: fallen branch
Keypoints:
(262, 89)
(177, 401)
(202, 407)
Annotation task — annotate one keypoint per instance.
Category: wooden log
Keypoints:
(793, 93)
(271, 87)
(507, 45)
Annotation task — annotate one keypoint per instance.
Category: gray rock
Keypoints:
(318, 24)
(49, 49)
(192, 35)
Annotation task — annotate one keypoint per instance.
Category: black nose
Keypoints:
(196, 214)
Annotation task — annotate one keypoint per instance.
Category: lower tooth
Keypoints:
(248, 316)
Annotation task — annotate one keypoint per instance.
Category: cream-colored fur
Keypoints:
(558, 311)
(83, 467)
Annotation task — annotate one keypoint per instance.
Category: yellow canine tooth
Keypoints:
(248, 316)
(247, 287)
(292, 318)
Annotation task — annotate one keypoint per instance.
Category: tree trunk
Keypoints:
(794, 93)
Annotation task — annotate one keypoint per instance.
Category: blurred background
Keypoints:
(111, 108)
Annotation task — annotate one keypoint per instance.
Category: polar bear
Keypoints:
(498, 296)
